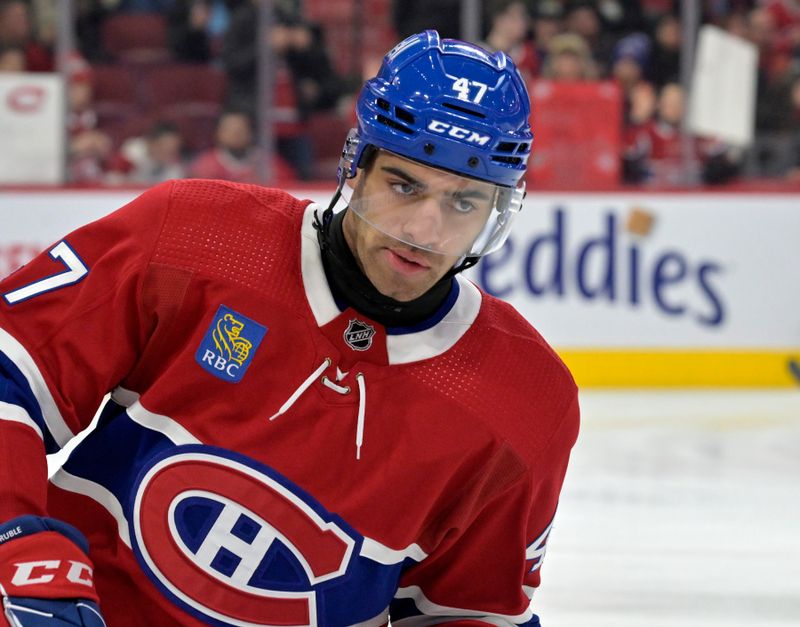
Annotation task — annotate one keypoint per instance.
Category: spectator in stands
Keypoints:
(630, 61)
(297, 44)
(44, 20)
(546, 25)
(735, 23)
(659, 155)
(636, 145)
(189, 24)
(89, 147)
(786, 18)
(772, 153)
(80, 95)
(415, 16)
(89, 18)
(581, 18)
(317, 85)
(235, 157)
(12, 58)
(666, 60)
(793, 173)
(621, 17)
(654, 10)
(299, 48)
(509, 26)
(569, 59)
(153, 158)
(763, 32)
(16, 30)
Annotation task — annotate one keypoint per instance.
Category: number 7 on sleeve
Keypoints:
(75, 271)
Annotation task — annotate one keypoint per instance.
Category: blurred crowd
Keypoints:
(161, 89)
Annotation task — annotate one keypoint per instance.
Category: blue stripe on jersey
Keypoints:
(15, 390)
(113, 454)
(120, 452)
(437, 316)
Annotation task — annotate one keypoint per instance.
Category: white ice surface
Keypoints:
(680, 509)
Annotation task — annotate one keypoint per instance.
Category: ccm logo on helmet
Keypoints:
(443, 128)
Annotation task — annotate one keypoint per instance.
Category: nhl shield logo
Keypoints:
(359, 335)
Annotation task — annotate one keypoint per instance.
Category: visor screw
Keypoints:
(472, 162)
(428, 148)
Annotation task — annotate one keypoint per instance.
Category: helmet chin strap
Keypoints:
(464, 264)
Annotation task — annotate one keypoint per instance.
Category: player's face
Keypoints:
(412, 223)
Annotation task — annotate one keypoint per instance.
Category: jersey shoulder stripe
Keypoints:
(28, 390)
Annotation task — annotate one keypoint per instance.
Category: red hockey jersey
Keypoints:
(266, 458)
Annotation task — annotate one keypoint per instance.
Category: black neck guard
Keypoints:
(351, 287)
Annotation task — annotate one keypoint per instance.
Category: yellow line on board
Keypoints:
(684, 368)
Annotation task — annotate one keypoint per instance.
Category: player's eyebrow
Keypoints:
(471, 193)
(404, 175)
(465, 193)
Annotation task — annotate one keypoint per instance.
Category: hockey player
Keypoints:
(314, 418)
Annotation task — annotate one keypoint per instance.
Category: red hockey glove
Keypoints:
(44, 559)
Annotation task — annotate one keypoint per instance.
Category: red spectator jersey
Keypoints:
(266, 458)
(220, 164)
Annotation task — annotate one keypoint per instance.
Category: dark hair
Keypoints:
(6, 47)
(161, 128)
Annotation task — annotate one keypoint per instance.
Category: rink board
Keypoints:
(633, 289)
(682, 369)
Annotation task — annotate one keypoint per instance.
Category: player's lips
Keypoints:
(406, 261)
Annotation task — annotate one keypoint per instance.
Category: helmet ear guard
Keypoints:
(351, 156)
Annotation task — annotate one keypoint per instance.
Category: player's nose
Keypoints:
(423, 222)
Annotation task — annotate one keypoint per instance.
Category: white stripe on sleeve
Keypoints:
(15, 413)
(52, 416)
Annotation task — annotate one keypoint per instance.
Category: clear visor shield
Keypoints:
(432, 209)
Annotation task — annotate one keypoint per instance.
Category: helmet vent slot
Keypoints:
(403, 115)
(383, 104)
(508, 160)
(460, 109)
(395, 125)
(506, 147)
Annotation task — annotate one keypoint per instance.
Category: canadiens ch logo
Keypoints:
(359, 335)
(229, 344)
(233, 543)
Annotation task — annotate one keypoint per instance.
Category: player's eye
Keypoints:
(462, 205)
(403, 188)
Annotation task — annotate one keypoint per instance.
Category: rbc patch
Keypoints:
(229, 345)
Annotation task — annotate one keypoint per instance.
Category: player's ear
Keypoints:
(362, 170)
(365, 165)
(358, 181)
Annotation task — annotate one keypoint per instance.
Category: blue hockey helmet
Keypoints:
(448, 104)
